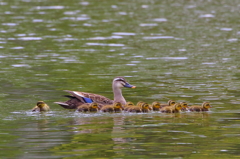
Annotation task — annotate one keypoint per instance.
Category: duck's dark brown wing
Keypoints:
(94, 97)
(79, 98)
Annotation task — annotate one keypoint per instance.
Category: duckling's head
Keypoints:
(118, 105)
(140, 103)
(206, 105)
(145, 106)
(129, 104)
(156, 105)
(184, 105)
(178, 106)
(94, 105)
(120, 82)
(171, 102)
(41, 104)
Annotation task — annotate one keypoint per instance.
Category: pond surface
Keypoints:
(180, 50)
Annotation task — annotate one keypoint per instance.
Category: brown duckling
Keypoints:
(140, 107)
(169, 103)
(172, 109)
(184, 106)
(41, 106)
(156, 106)
(116, 107)
(88, 107)
(204, 107)
(128, 105)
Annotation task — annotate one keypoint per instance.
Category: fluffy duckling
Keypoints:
(156, 106)
(88, 107)
(132, 105)
(204, 107)
(172, 109)
(184, 106)
(41, 106)
(169, 103)
(140, 107)
(129, 104)
(116, 107)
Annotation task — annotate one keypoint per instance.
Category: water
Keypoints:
(179, 50)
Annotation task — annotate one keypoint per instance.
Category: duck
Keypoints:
(140, 107)
(41, 106)
(156, 106)
(184, 106)
(88, 107)
(198, 108)
(78, 98)
(116, 107)
(172, 109)
(169, 103)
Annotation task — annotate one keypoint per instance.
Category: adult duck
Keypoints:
(79, 98)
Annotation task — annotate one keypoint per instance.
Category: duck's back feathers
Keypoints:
(78, 98)
(72, 103)
(90, 97)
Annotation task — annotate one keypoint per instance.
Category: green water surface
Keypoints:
(180, 50)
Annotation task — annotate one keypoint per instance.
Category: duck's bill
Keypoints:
(129, 85)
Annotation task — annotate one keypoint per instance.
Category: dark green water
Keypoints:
(179, 50)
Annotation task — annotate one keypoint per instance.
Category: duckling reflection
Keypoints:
(41, 106)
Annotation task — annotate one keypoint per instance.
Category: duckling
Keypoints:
(204, 107)
(145, 107)
(169, 103)
(41, 106)
(91, 107)
(184, 106)
(116, 107)
(172, 109)
(140, 107)
(128, 105)
(156, 106)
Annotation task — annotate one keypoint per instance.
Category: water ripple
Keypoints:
(123, 33)
(30, 38)
(148, 24)
(103, 44)
(49, 7)
(207, 16)
(160, 19)
(157, 37)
